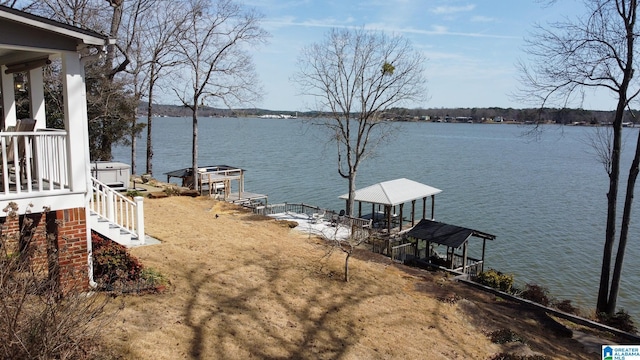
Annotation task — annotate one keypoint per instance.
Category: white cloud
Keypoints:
(439, 29)
(452, 9)
(480, 18)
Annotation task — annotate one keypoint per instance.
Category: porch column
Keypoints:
(8, 98)
(75, 121)
(36, 97)
(401, 215)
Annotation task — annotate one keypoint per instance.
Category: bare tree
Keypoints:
(354, 76)
(570, 57)
(150, 45)
(160, 44)
(36, 320)
(346, 244)
(111, 109)
(218, 68)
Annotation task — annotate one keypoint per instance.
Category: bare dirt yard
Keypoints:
(246, 287)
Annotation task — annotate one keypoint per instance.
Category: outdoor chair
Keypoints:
(20, 159)
(336, 219)
(317, 218)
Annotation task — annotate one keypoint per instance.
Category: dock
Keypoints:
(220, 181)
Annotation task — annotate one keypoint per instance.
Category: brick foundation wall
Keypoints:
(72, 247)
(54, 243)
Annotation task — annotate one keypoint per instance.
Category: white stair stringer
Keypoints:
(113, 231)
(115, 216)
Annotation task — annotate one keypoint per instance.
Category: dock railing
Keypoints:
(360, 228)
(400, 252)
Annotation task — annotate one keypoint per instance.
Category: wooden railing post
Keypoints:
(139, 218)
(111, 213)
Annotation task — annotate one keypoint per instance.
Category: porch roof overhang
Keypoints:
(445, 234)
(393, 192)
(28, 37)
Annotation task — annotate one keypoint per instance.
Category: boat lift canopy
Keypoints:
(392, 193)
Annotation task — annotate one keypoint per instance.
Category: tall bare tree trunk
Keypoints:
(194, 147)
(612, 196)
(352, 194)
(149, 125)
(624, 230)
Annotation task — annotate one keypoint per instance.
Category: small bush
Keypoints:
(566, 306)
(536, 293)
(496, 280)
(620, 320)
(133, 193)
(112, 263)
(39, 320)
(504, 336)
(153, 280)
(171, 190)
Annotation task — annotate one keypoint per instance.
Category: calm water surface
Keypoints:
(544, 200)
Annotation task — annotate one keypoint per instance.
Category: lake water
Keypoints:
(545, 200)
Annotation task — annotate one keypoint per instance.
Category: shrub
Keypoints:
(112, 263)
(566, 306)
(620, 320)
(504, 336)
(171, 190)
(536, 293)
(496, 280)
(153, 279)
(38, 320)
(133, 193)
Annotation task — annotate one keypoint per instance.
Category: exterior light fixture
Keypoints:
(18, 82)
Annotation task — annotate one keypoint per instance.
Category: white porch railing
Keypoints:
(118, 209)
(34, 162)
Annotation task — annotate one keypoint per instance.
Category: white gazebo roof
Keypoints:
(393, 192)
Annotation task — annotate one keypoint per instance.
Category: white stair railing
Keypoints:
(118, 209)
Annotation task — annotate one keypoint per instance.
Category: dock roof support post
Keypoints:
(424, 207)
(400, 217)
(464, 258)
(373, 212)
(387, 213)
(484, 243)
(413, 213)
(433, 207)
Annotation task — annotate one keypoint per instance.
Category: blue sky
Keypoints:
(471, 47)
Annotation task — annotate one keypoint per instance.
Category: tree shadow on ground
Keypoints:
(264, 318)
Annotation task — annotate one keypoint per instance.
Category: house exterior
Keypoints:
(45, 175)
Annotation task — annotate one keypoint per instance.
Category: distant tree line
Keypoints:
(558, 116)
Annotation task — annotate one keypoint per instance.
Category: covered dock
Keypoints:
(454, 238)
(392, 195)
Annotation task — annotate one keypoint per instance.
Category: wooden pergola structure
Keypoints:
(390, 194)
(454, 238)
(217, 178)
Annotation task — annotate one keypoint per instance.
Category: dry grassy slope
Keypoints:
(245, 287)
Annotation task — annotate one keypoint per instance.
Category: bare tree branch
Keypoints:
(355, 75)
